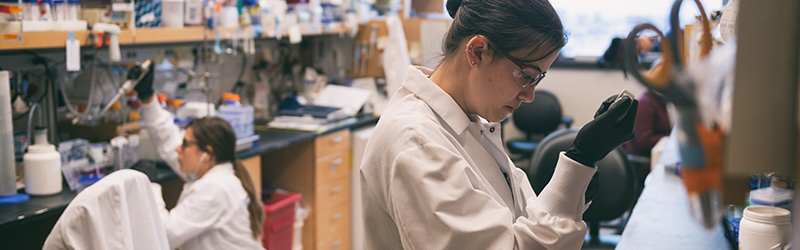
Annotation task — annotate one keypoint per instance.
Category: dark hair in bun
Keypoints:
(452, 7)
(508, 25)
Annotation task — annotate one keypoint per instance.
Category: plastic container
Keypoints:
(772, 196)
(172, 16)
(279, 209)
(30, 10)
(240, 117)
(763, 227)
(13, 11)
(46, 10)
(115, 114)
(193, 14)
(74, 7)
(42, 166)
(229, 17)
(61, 10)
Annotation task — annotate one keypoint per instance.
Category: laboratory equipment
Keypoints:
(30, 10)
(61, 12)
(7, 167)
(42, 166)
(765, 227)
(46, 10)
(240, 117)
(174, 13)
(772, 196)
(10, 11)
(193, 14)
(128, 85)
(76, 166)
(74, 7)
(700, 143)
(621, 94)
(113, 32)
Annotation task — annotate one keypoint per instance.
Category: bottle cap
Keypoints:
(116, 106)
(133, 115)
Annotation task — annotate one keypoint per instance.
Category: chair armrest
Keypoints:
(567, 120)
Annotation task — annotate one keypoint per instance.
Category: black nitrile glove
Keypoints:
(145, 87)
(603, 134)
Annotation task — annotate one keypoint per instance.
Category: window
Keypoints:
(591, 24)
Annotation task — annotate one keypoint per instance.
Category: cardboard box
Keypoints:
(428, 6)
(373, 67)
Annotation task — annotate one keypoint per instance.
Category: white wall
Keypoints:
(580, 92)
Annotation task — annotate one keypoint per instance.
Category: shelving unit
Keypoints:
(57, 39)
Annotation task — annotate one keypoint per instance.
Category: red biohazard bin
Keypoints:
(279, 210)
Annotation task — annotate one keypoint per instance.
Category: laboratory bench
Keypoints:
(26, 225)
(661, 218)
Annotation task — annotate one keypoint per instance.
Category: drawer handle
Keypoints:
(337, 242)
(337, 161)
(337, 215)
(336, 189)
(338, 139)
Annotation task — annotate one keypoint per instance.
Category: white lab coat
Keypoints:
(117, 213)
(212, 211)
(433, 178)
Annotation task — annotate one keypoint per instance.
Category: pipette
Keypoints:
(127, 86)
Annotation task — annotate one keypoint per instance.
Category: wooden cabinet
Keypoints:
(319, 170)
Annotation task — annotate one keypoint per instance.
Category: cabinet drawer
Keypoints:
(339, 241)
(334, 142)
(330, 167)
(333, 221)
(334, 193)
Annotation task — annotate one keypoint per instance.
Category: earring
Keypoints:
(474, 64)
(470, 49)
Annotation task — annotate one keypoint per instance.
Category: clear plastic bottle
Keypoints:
(14, 12)
(240, 117)
(74, 7)
(61, 12)
(114, 114)
(30, 10)
(46, 10)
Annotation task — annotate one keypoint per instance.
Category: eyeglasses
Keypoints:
(527, 79)
(187, 143)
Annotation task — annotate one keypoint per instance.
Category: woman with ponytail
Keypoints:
(219, 207)
(435, 174)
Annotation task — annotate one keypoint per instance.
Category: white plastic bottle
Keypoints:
(764, 227)
(42, 166)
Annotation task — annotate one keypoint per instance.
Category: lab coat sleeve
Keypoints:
(436, 206)
(201, 209)
(165, 135)
(162, 207)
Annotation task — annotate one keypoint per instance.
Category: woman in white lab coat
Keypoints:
(218, 207)
(435, 174)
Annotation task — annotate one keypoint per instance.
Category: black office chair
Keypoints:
(536, 120)
(617, 181)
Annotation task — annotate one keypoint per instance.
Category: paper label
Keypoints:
(73, 55)
(10, 9)
(12, 37)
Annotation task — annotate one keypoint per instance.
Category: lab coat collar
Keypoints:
(226, 167)
(418, 82)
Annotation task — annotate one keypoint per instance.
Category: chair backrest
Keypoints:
(617, 191)
(541, 116)
(117, 212)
